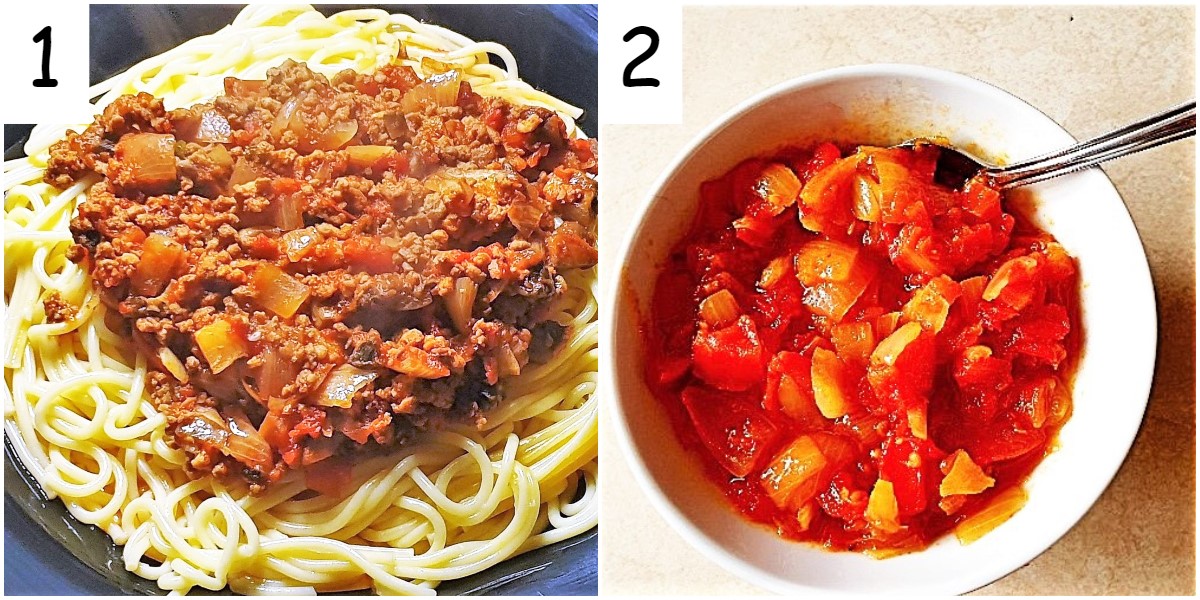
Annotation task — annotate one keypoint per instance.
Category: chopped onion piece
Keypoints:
(161, 259)
(440, 90)
(299, 243)
(445, 87)
(289, 214)
(888, 351)
(245, 443)
(172, 364)
(509, 365)
(213, 128)
(1003, 507)
(336, 136)
(148, 160)
(963, 476)
(461, 303)
(794, 476)
(342, 384)
(243, 171)
(220, 345)
(274, 373)
(207, 426)
(277, 291)
(720, 309)
(778, 187)
(219, 156)
(284, 118)
(883, 510)
(829, 384)
(362, 157)
(825, 260)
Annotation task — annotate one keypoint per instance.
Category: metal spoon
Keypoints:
(955, 166)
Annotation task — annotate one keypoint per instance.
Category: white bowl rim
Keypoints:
(613, 294)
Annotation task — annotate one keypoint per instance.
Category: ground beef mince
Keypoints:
(319, 268)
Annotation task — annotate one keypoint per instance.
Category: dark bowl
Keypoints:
(48, 552)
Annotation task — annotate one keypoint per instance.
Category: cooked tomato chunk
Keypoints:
(868, 360)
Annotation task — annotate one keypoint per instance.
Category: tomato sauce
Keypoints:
(861, 357)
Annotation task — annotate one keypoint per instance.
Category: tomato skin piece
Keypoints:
(733, 428)
(730, 358)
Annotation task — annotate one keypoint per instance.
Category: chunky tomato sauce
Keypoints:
(863, 358)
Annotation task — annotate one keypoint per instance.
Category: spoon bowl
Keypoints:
(956, 166)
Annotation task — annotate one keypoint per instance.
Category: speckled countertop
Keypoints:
(1090, 69)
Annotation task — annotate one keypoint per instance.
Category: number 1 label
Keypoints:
(45, 80)
(45, 46)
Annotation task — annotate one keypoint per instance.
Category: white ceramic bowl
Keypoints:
(885, 104)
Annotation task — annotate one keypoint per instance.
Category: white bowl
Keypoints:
(885, 104)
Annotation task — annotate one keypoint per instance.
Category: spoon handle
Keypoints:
(1174, 124)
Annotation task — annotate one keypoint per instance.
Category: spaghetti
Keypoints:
(457, 501)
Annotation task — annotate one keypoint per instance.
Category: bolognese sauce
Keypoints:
(861, 357)
(317, 268)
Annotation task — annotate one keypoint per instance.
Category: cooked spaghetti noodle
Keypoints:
(451, 504)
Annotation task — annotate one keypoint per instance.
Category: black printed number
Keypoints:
(628, 80)
(45, 80)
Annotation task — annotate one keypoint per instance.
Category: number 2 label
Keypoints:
(627, 79)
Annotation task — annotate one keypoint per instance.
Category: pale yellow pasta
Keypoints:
(76, 411)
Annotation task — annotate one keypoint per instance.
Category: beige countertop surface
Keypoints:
(1090, 69)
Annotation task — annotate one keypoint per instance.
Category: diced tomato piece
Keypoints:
(1033, 401)
(1038, 334)
(982, 378)
(823, 155)
(756, 230)
(911, 465)
(1003, 439)
(744, 185)
(901, 368)
(1016, 284)
(368, 255)
(716, 206)
(844, 499)
(729, 358)
(780, 306)
(274, 429)
(732, 426)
